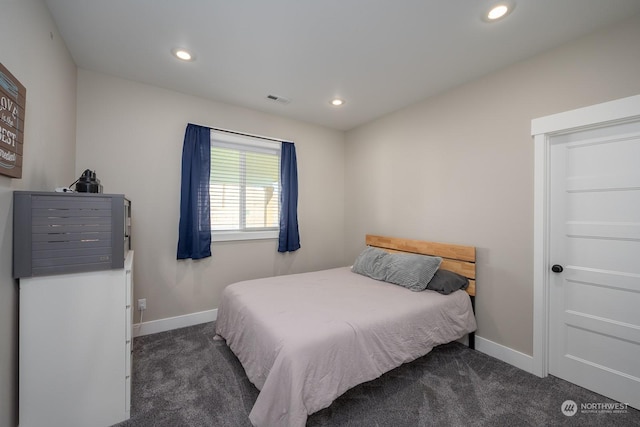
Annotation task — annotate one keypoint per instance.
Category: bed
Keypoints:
(305, 339)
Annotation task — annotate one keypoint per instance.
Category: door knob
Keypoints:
(557, 268)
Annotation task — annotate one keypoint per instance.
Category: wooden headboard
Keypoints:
(457, 258)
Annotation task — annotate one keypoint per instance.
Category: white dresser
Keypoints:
(76, 348)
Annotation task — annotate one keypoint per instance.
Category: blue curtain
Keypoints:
(289, 239)
(194, 239)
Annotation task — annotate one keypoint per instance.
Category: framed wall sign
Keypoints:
(12, 106)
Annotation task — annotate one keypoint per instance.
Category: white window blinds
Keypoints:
(244, 185)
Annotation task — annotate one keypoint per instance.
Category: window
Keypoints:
(244, 187)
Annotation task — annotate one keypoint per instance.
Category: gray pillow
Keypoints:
(411, 271)
(445, 282)
(371, 263)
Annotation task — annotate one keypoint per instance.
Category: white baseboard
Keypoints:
(162, 325)
(506, 354)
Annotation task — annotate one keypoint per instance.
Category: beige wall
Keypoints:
(132, 134)
(34, 53)
(458, 167)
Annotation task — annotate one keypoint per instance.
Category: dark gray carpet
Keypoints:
(185, 378)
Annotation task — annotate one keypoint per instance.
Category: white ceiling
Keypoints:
(379, 55)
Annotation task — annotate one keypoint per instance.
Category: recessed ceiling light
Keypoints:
(337, 102)
(183, 54)
(499, 11)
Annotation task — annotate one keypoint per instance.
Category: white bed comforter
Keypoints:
(305, 339)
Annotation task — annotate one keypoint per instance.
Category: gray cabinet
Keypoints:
(59, 233)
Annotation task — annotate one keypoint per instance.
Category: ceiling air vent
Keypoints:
(280, 99)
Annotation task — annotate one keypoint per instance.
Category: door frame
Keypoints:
(542, 129)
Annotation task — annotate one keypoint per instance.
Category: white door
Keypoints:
(594, 302)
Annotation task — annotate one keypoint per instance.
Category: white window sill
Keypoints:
(227, 236)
